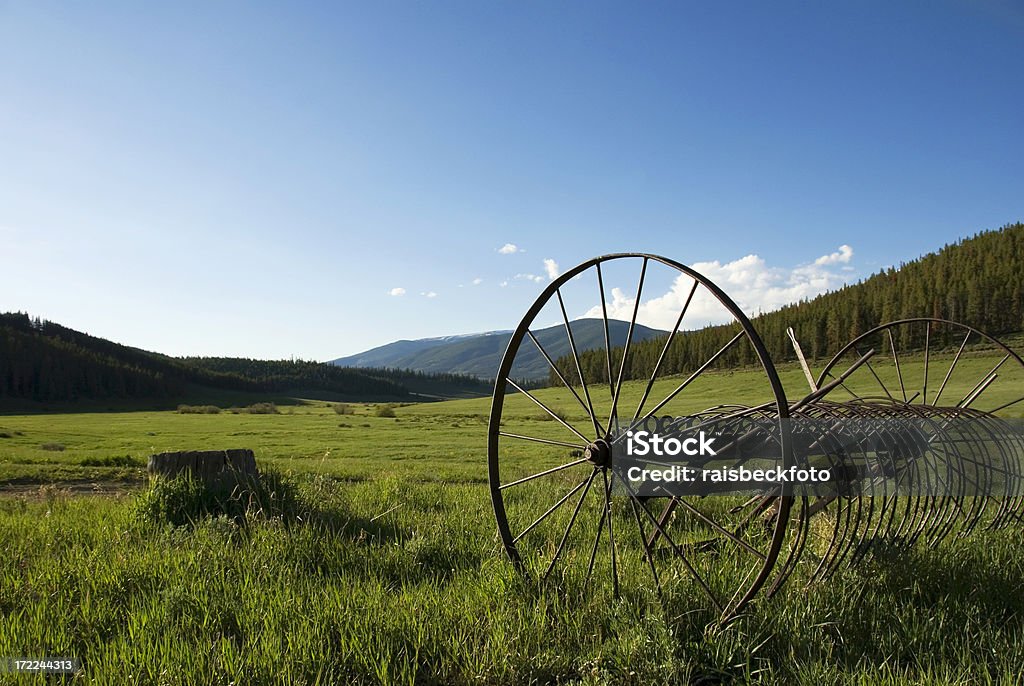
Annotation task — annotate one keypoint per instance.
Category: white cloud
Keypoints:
(503, 284)
(396, 291)
(842, 256)
(429, 294)
(477, 281)
(509, 249)
(551, 267)
(529, 277)
(749, 281)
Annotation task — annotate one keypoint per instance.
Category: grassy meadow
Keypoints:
(374, 559)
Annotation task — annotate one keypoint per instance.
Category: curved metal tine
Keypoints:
(844, 534)
(572, 521)
(796, 548)
(629, 339)
(951, 366)
(678, 551)
(611, 535)
(896, 359)
(579, 368)
(587, 407)
(721, 529)
(551, 510)
(544, 473)
(927, 344)
(700, 370)
(607, 337)
(833, 541)
(865, 507)
(647, 548)
(825, 561)
(546, 441)
(664, 351)
(548, 410)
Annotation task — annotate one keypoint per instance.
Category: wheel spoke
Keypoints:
(572, 521)
(607, 337)
(896, 359)
(546, 441)
(875, 374)
(700, 370)
(544, 473)
(927, 345)
(579, 368)
(679, 552)
(587, 407)
(593, 550)
(1006, 405)
(551, 510)
(721, 529)
(647, 548)
(611, 536)
(950, 372)
(664, 351)
(629, 339)
(548, 410)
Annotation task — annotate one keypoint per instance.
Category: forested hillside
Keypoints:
(47, 362)
(978, 280)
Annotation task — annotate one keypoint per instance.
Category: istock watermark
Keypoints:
(962, 456)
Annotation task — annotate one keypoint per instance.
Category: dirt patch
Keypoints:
(74, 487)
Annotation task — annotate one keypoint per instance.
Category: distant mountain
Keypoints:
(480, 354)
(383, 356)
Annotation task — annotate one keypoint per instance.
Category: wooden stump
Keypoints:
(210, 466)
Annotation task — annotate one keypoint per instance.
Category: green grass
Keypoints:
(382, 564)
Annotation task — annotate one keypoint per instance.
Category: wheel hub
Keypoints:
(599, 452)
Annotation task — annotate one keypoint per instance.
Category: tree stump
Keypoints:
(210, 466)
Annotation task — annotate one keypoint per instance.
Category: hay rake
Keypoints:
(904, 417)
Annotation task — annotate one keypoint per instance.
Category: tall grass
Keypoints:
(396, 582)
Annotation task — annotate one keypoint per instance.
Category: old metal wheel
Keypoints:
(561, 513)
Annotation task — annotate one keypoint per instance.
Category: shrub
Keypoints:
(55, 447)
(343, 408)
(113, 461)
(387, 410)
(198, 409)
(256, 408)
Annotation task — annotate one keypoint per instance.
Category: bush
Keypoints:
(198, 409)
(184, 500)
(343, 408)
(387, 410)
(113, 461)
(55, 447)
(257, 408)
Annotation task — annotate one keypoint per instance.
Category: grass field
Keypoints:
(382, 565)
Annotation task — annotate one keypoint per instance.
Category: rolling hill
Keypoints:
(480, 354)
(44, 362)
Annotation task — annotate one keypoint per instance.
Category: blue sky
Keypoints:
(256, 179)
